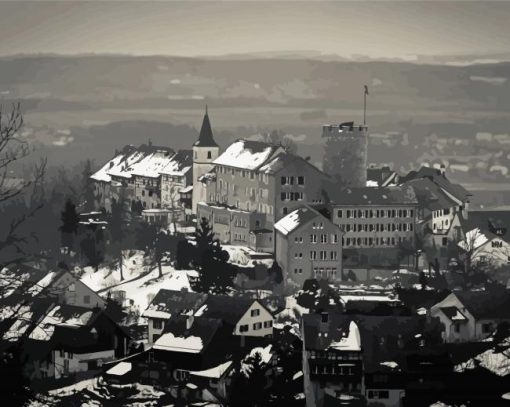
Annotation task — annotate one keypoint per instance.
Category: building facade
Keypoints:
(308, 245)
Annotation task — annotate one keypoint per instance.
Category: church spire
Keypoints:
(206, 139)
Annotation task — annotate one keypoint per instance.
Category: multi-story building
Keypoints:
(148, 176)
(345, 154)
(205, 151)
(308, 245)
(332, 360)
(253, 185)
(374, 217)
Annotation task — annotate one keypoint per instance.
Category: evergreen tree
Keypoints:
(216, 274)
(69, 227)
(119, 228)
(88, 195)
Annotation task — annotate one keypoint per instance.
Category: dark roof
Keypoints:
(261, 231)
(203, 328)
(206, 138)
(228, 309)
(439, 178)
(489, 222)
(429, 195)
(381, 175)
(483, 304)
(451, 312)
(176, 302)
(337, 327)
(370, 195)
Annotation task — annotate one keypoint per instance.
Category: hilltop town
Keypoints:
(251, 276)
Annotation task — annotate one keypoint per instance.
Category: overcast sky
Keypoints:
(376, 29)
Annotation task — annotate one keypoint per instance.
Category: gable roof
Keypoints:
(167, 303)
(296, 219)
(247, 154)
(439, 178)
(429, 195)
(205, 138)
(401, 195)
(179, 164)
(177, 337)
(483, 304)
(282, 160)
(228, 309)
(145, 160)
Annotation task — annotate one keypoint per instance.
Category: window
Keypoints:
(244, 328)
(313, 255)
(313, 238)
(301, 180)
(285, 211)
(209, 154)
(157, 324)
(334, 238)
(71, 288)
(323, 255)
(333, 255)
(255, 312)
(268, 324)
(324, 238)
(339, 213)
(445, 241)
(257, 326)
(86, 299)
(456, 328)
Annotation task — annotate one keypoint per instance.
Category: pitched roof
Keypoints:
(296, 219)
(483, 304)
(206, 138)
(282, 160)
(429, 195)
(453, 313)
(177, 337)
(371, 195)
(247, 154)
(228, 309)
(381, 175)
(436, 175)
(167, 303)
(332, 334)
(145, 160)
(180, 163)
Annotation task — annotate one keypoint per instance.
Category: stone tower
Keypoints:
(205, 151)
(345, 155)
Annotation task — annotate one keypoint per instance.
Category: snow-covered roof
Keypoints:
(120, 369)
(475, 238)
(247, 154)
(351, 342)
(214, 372)
(147, 161)
(169, 342)
(295, 219)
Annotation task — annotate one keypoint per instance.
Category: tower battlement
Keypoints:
(343, 130)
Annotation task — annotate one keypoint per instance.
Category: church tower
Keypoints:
(205, 151)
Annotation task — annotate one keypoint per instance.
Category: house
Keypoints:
(71, 291)
(332, 359)
(308, 245)
(168, 303)
(244, 317)
(253, 185)
(71, 340)
(470, 316)
(147, 176)
(187, 344)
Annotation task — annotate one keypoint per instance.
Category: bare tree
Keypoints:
(16, 191)
(278, 137)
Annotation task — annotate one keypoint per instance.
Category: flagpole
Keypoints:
(364, 108)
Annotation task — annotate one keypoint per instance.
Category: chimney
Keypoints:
(324, 317)
(189, 322)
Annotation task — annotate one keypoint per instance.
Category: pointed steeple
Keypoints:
(206, 139)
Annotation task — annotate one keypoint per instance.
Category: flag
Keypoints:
(366, 90)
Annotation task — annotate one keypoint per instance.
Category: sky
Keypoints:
(376, 29)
